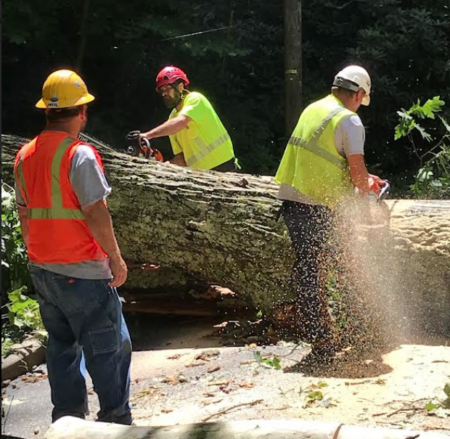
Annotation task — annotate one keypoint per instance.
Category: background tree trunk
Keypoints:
(221, 228)
(84, 26)
(292, 62)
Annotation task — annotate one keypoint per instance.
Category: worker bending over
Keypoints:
(198, 138)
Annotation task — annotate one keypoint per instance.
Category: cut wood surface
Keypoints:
(222, 229)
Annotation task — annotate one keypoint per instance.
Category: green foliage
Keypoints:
(445, 403)
(272, 362)
(407, 122)
(23, 312)
(239, 65)
(15, 272)
(433, 177)
(316, 396)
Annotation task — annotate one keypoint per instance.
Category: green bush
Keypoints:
(432, 150)
(20, 312)
(15, 272)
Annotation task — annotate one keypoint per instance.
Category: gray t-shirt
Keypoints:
(90, 186)
(349, 138)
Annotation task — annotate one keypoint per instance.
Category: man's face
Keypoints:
(171, 96)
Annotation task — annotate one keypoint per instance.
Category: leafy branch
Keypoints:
(445, 404)
(433, 176)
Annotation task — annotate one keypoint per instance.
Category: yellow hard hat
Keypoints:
(64, 89)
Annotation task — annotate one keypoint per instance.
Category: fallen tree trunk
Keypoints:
(74, 428)
(222, 229)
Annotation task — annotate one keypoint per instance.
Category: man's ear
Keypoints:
(83, 112)
(180, 87)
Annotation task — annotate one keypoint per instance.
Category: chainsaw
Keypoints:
(140, 145)
(384, 191)
(379, 187)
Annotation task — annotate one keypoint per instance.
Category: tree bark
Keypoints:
(221, 228)
(292, 10)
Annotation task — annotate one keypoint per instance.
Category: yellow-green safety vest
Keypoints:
(205, 143)
(311, 164)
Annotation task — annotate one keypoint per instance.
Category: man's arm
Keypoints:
(100, 225)
(168, 128)
(178, 159)
(358, 173)
(23, 219)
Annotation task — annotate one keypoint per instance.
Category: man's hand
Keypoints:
(133, 135)
(376, 183)
(100, 225)
(119, 271)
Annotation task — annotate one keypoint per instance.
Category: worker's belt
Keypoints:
(312, 146)
(205, 150)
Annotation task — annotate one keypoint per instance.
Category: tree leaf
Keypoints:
(447, 389)
(431, 406)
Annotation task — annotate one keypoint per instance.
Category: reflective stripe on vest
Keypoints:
(312, 145)
(206, 149)
(57, 211)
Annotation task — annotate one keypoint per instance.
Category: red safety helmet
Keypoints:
(168, 75)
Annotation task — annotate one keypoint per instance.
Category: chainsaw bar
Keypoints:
(87, 138)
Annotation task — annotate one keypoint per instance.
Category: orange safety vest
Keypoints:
(58, 232)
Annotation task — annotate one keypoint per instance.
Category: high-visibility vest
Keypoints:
(205, 142)
(58, 232)
(311, 164)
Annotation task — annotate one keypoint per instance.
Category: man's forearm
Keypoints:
(168, 128)
(359, 174)
(360, 181)
(100, 225)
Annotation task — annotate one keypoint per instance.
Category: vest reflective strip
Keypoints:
(206, 149)
(57, 211)
(312, 145)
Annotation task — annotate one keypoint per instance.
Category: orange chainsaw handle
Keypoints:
(147, 151)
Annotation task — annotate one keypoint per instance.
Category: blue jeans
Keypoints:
(85, 316)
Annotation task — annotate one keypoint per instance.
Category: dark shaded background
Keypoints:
(118, 47)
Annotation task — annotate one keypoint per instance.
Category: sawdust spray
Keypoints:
(372, 273)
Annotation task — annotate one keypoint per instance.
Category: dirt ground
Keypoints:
(183, 373)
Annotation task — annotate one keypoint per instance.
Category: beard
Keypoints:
(170, 102)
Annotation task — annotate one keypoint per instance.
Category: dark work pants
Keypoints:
(309, 228)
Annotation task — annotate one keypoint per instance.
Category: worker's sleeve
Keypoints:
(194, 106)
(176, 148)
(87, 178)
(353, 135)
